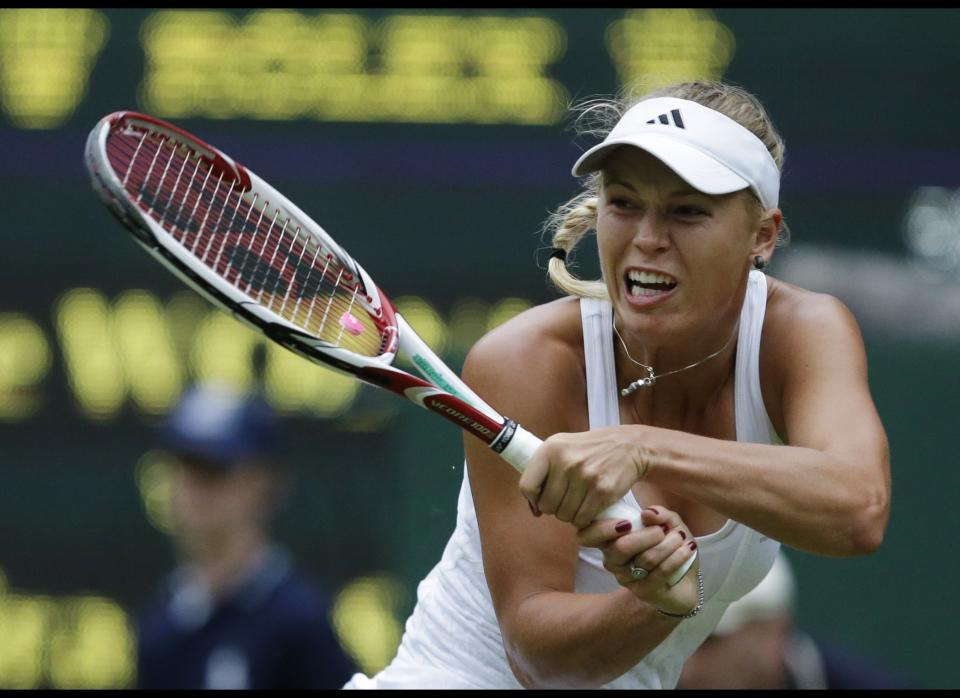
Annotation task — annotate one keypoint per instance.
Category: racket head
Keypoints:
(239, 242)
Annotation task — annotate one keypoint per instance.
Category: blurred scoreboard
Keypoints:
(439, 138)
(486, 67)
(424, 67)
(390, 105)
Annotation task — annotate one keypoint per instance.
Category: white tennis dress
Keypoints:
(452, 638)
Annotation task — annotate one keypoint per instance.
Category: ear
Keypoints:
(765, 236)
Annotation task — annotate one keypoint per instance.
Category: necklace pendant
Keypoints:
(651, 376)
(641, 383)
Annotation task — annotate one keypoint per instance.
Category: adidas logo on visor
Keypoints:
(665, 119)
(713, 152)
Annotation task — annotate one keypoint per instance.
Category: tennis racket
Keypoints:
(244, 246)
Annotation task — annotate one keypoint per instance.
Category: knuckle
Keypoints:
(612, 556)
(621, 548)
(555, 442)
(605, 490)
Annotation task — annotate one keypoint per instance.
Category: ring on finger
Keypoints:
(638, 572)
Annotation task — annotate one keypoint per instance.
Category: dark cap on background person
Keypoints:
(217, 426)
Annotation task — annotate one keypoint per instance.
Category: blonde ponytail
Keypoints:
(570, 223)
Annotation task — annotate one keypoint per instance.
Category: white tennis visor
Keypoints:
(710, 151)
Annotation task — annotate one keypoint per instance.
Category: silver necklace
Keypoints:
(651, 376)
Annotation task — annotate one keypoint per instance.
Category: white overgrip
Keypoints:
(520, 449)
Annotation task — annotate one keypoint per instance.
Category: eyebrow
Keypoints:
(683, 191)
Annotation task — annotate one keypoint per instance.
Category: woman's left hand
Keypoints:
(660, 549)
(576, 476)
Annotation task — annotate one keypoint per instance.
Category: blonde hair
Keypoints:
(569, 223)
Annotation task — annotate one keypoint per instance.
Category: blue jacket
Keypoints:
(272, 632)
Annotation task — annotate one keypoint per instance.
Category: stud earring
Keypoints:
(759, 262)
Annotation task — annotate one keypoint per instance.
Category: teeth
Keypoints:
(646, 277)
(641, 291)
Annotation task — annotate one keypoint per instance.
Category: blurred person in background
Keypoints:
(757, 645)
(234, 614)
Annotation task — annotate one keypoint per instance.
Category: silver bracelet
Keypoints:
(696, 609)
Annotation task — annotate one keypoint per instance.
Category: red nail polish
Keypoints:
(692, 544)
(666, 529)
(533, 508)
(654, 510)
(623, 527)
(682, 534)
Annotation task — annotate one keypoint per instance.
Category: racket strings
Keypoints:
(265, 254)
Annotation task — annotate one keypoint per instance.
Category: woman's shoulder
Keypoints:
(798, 325)
(799, 321)
(532, 359)
(794, 311)
(544, 333)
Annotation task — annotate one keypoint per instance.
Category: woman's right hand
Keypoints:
(661, 547)
(574, 476)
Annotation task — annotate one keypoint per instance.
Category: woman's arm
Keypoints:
(827, 492)
(552, 636)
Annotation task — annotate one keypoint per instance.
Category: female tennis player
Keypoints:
(732, 407)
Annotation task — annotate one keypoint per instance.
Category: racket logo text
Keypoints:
(440, 406)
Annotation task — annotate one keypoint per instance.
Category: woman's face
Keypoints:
(211, 505)
(674, 260)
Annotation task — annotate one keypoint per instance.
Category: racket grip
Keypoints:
(622, 511)
(682, 572)
(520, 449)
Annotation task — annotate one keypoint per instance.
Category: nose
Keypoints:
(651, 235)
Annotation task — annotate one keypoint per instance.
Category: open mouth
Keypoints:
(647, 283)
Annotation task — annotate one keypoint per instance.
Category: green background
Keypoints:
(867, 102)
